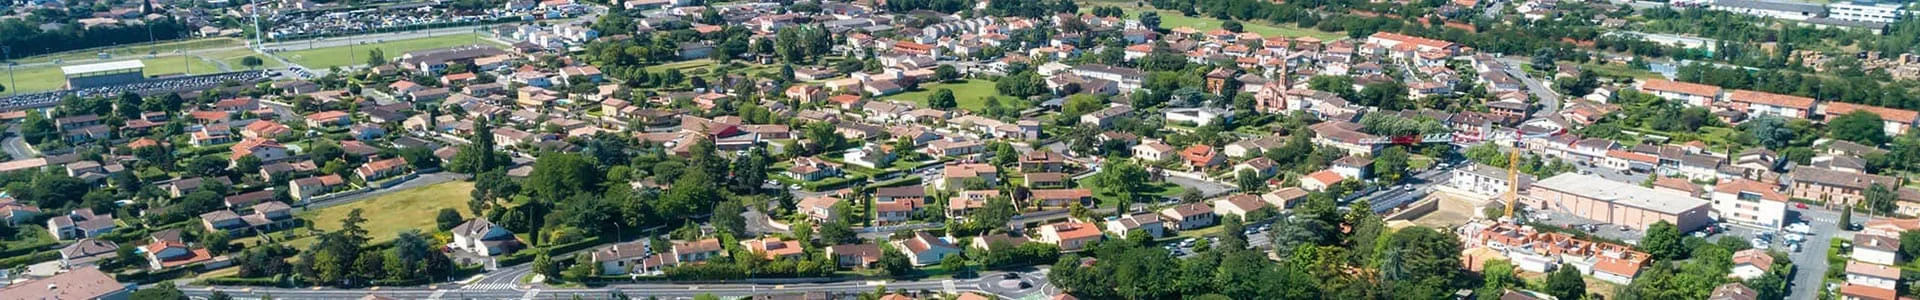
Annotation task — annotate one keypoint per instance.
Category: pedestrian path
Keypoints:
(489, 286)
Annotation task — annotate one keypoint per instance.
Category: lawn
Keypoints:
(1158, 191)
(392, 213)
(323, 58)
(970, 94)
(48, 77)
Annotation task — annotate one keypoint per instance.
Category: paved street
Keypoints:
(1549, 99)
(991, 282)
(15, 146)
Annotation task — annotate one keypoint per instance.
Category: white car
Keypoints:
(1759, 244)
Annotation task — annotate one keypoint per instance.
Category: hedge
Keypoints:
(24, 250)
(241, 281)
(15, 261)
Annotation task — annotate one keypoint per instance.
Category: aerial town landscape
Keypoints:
(959, 149)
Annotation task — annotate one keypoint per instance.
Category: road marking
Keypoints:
(530, 294)
(437, 294)
(949, 285)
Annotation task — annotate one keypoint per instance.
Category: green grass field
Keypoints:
(323, 58)
(970, 94)
(232, 58)
(48, 77)
(1172, 19)
(392, 213)
(130, 51)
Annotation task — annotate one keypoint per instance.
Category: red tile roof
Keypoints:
(1771, 99)
(1663, 85)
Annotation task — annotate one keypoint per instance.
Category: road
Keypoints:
(1811, 262)
(989, 282)
(1549, 99)
(17, 147)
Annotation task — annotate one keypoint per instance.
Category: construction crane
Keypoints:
(1512, 196)
(1513, 182)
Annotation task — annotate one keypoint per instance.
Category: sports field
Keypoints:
(48, 77)
(323, 58)
(130, 51)
(232, 58)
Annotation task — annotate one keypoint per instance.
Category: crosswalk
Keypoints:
(951, 289)
(489, 286)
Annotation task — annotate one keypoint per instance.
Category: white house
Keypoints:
(1880, 276)
(484, 238)
(1145, 222)
(1751, 263)
(1748, 202)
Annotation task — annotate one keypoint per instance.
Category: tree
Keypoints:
(946, 73)
(1663, 241)
(1150, 19)
(558, 175)
(1846, 218)
(448, 218)
(1391, 165)
(1232, 26)
(727, 218)
(1566, 283)
(159, 292)
(544, 265)
(252, 62)
(376, 57)
(1910, 244)
(1770, 131)
(894, 263)
(1879, 199)
(942, 99)
(1248, 180)
(1859, 126)
(957, 265)
(1498, 275)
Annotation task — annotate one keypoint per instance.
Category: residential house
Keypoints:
(774, 248)
(813, 169)
(855, 255)
(924, 249)
(1756, 103)
(956, 176)
(819, 208)
(1070, 236)
(376, 170)
(1748, 202)
(1873, 275)
(483, 238)
(1238, 205)
(86, 252)
(1189, 216)
(1144, 222)
(1835, 187)
(80, 223)
(1751, 263)
(622, 258)
(305, 189)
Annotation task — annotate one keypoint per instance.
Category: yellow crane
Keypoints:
(1513, 181)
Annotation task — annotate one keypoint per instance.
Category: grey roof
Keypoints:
(89, 247)
(1772, 5)
(1846, 23)
(1621, 193)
